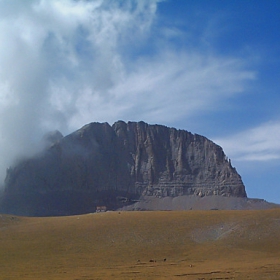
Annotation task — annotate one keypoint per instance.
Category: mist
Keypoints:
(67, 63)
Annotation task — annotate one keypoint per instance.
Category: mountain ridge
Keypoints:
(116, 165)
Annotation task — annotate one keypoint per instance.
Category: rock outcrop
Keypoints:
(114, 165)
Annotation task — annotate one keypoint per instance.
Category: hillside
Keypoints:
(115, 166)
(143, 245)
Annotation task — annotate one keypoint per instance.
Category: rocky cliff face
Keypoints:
(103, 164)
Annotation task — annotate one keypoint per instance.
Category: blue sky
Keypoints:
(210, 67)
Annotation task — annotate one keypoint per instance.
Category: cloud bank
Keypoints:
(261, 143)
(64, 63)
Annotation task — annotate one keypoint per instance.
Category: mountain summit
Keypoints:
(115, 166)
(118, 165)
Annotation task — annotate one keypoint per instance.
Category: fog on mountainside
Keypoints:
(66, 63)
(134, 166)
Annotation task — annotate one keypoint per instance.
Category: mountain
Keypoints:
(115, 166)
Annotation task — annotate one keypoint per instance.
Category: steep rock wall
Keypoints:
(127, 160)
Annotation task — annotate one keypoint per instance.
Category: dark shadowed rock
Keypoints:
(114, 166)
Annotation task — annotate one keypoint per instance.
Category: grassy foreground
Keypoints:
(142, 245)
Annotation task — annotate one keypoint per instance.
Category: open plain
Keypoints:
(142, 245)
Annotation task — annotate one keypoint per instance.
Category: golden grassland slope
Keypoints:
(142, 245)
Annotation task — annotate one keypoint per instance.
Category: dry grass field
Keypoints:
(142, 245)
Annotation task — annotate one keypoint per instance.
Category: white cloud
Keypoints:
(261, 143)
(53, 52)
(165, 88)
(64, 63)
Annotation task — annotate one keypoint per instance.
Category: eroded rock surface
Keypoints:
(103, 164)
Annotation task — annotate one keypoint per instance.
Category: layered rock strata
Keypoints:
(120, 163)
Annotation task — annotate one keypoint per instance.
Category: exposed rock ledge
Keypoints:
(116, 165)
